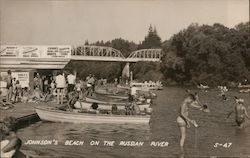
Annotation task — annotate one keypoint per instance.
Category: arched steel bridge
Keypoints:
(101, 53)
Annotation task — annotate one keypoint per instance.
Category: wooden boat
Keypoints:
(112, 96)
(101, 106)
(56, 115)
(126, 87)
(244, 90)
(244, 86)
(96, 100)
(146, 86)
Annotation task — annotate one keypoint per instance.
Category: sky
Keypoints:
(72, 22)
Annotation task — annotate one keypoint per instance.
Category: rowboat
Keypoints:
(56, 115)
(101, 106)
(118, 95)
(244, 90)
(96, 100)
(146, 86)
(111, 96)
(243, 86)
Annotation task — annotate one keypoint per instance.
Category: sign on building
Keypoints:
(59, 51)
(22, 77)
(9, 51)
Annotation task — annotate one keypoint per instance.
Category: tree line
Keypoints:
(212, 55)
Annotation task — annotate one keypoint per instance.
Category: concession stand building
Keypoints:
(26, 60)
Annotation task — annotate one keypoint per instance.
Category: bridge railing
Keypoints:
(102, 53)
(97, 51)
(146, 55)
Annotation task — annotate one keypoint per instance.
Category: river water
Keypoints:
(216, 136)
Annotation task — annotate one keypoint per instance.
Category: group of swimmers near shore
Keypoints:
(192, 101)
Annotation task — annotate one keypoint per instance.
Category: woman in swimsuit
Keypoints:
(183, 120)
(240, 112)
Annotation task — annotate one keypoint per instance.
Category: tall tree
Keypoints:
(152, 40)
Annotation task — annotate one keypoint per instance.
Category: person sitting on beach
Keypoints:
(10, 142)
(37, 95)
(25, 97)
(183, 119)
(240, 112)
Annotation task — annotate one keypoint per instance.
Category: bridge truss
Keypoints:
(101, 53)
(145, 55)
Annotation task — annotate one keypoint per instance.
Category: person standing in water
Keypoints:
(240, 112)
(183, 119)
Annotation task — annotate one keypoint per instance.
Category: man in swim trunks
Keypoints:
(183, 120)
(60, 85)
(240, 112)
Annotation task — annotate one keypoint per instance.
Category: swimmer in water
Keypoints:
(240, 112)
(183, 119)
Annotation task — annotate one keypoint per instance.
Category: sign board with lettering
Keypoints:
(9, 51)
(58, 52)
(23, 78)
(31, 51)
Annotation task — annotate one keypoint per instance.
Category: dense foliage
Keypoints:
(208, 54)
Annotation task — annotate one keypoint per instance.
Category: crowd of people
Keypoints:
(46, 88)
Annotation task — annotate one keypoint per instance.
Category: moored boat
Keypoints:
(146, 86)
(112, 96)
(244, 86)
(101, 106)
(244, 90)
(96, 100)
(56, 115)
